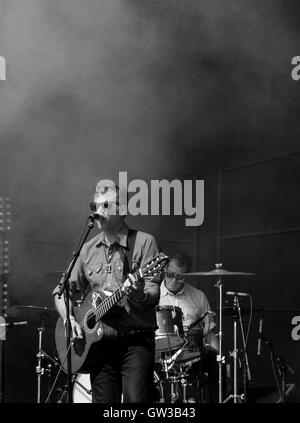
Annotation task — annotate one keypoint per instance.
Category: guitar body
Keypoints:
(82, 352)
(90, 316)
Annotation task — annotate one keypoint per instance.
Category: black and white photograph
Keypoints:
(149, 205)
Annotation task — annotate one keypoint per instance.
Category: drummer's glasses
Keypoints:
(172, 275)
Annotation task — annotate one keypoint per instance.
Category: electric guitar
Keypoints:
(90, 314)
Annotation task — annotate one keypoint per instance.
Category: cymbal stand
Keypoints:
(39, 369)
(236, 398)
(220, 357)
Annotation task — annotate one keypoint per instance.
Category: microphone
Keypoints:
(238, 294)
(93, 208)
(259, 336)
(14, 324)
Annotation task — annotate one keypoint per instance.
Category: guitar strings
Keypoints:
(105, 305)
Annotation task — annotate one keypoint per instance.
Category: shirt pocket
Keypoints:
(94, 274)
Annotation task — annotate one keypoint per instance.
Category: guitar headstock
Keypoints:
(155, 266)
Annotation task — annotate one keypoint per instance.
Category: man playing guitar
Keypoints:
(122, 363)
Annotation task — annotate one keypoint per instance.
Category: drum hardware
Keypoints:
(75, 380)
(178, 384)
(176, 374)
(36, 316)
(194, 346)
(158, 383)
(48, 371)
(236, 398)
(190, 338)
(219, 272)
(190, 362)
(42, 318)
(170, 333)
(176, 366)
(39, 369)
(169, 363)
(62, 393)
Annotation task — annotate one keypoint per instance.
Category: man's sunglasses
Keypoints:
(107, 205)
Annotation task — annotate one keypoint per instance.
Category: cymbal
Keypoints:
(35, 316)
(218, 272)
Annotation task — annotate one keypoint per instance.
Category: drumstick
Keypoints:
(200, 318)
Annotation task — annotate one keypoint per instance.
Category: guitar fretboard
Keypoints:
(5, 228)
(108, 303)
(112, 300)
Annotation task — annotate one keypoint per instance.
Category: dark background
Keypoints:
(183, 89)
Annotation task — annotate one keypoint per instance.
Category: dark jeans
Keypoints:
(126, 366)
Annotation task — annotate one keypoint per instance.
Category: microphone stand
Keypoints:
(246, 369)
(236, 398)
(64, 289)
(282, 367)
(220, 357)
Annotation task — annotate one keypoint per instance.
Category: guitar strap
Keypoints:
(129, 267)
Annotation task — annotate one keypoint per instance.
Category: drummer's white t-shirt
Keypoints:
(193, 304)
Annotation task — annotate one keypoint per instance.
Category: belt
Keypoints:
(142, 331)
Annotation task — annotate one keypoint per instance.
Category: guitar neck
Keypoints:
(5, 228)
(109, 302)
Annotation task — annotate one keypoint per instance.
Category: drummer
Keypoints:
(174, 291)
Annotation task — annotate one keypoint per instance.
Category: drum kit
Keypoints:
(176, 348)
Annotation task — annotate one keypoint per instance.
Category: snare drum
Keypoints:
(169, 334)
(195, 345)
(79, 393)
